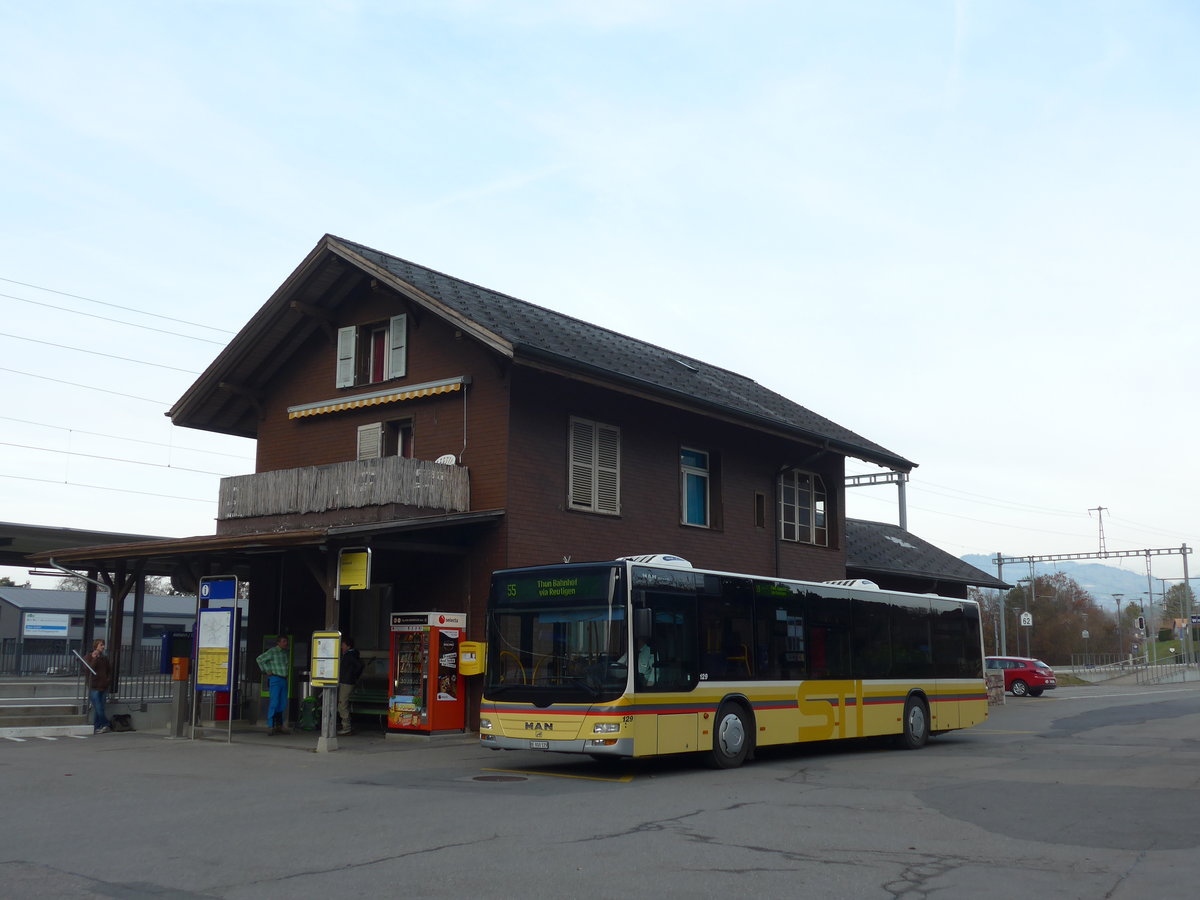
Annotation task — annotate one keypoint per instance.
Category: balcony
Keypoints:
(390, 481)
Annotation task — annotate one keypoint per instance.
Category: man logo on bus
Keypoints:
(539, 726)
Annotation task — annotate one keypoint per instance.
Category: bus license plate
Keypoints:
(539, 745)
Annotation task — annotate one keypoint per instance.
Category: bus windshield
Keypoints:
(559, 639)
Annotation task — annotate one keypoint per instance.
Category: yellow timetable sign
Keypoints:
(326, 658)
(212, 665)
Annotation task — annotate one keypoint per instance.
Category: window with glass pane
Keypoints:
(802, 508)
(694, 474)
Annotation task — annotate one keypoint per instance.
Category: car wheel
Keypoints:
(1035, 692)
(731, 738)
(1019, 688)
(916, 725)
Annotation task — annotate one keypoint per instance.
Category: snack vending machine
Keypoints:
(426, 692)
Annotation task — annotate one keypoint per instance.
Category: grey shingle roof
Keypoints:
(882, 548)
(39, 600)
(534, 331)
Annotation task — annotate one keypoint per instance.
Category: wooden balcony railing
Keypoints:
(348, 485)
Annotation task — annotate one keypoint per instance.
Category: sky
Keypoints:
(964, 230)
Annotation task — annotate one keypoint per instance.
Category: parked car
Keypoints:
(1023, 676)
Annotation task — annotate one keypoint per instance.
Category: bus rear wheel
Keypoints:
(731, 738)
(916, 725)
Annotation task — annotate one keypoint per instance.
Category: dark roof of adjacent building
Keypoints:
(49, 601)
(877, 548)
(222, 399)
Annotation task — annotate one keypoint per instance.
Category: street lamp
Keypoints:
(1120, 642)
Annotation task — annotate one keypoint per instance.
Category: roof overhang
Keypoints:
(163, 555)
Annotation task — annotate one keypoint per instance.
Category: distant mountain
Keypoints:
(1098, 580)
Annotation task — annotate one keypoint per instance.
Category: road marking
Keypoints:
(1131, 694)
(17, 739)
(623, 779)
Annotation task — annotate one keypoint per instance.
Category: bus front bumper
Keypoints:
(593, 747)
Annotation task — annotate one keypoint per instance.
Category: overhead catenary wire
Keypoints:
(140, 362)
(121, 437)
(78, 312)
(140, 312)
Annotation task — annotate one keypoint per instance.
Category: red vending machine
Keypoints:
(426, 692)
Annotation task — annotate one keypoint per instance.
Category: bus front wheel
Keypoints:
(731, 738)
(916, 724)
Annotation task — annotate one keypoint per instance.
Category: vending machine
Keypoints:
(426, 691)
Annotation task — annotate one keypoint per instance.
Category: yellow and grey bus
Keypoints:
(646, 656)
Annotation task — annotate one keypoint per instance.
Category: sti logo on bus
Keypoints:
(539, 726)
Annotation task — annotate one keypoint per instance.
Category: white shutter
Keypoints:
(594, 467)
(370, 441)
(347, 341)
(398, 347)
(582, 456)
(608, 469)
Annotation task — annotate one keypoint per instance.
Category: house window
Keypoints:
(369, 354)
(693, 484)
(802, 508)
(594, 464)
(381, 439)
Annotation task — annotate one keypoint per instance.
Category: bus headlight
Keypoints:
(485, 723)
(606, 728)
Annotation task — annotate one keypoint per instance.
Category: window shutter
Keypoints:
(608, 469)
(346, 344)
(398, 347)
(370, 441)
(582, 463)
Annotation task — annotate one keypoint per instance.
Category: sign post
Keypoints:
(216, 645)
(325, 671)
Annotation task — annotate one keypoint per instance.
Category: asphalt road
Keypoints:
(1086, 792)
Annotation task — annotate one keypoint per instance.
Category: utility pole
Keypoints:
(1099, 511)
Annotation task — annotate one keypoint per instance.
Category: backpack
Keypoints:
(121, 722)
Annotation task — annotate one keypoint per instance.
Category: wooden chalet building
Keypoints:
(455, 430)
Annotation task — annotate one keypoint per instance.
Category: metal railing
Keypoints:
(140, 680)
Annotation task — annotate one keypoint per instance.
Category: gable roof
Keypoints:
(878, 548)
(222, 399)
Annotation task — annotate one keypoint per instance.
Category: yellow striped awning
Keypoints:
(428, 389)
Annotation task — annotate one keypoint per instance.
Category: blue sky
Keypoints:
(964, 230)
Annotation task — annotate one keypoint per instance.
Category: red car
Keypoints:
(1023, 676)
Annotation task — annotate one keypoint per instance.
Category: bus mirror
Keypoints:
(643, 621)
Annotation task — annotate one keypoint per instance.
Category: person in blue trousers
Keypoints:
(99, 681)
(274, 664)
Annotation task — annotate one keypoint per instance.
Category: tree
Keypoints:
(1179, 600)
(5, 581)
(1062, 611)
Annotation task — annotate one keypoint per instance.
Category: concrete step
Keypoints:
(24, 733)
(63, 687)
(41, 714)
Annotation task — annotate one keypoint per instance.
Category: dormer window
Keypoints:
(370, 354)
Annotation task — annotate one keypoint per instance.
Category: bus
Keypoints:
(648, 656)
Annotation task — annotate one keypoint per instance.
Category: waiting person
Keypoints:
(275, 664)
(99, 681)
(351, 670)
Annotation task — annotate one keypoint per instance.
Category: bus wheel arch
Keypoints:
(915, 726)
(732, 734)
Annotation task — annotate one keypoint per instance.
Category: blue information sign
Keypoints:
(218, 587)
